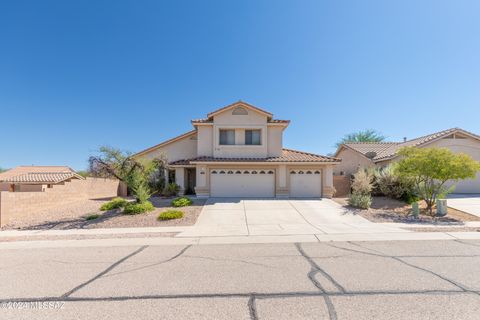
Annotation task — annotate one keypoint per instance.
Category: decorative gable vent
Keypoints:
(239, 111)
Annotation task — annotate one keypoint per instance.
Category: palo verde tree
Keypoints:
(368, 135)
(431, 168)
(142, 177)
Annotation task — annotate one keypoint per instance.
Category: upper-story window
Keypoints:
(253, 137)
(227, 137)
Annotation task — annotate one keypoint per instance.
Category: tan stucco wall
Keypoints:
(253, 120)
(275, 141)
(19, 205)
(351, 162)
(205, 141)
(185, 148)
(30, 188)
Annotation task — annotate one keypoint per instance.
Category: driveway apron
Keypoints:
(257, 217)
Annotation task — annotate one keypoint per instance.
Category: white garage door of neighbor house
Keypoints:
(255, 183)
(467, 185)
(305, 184)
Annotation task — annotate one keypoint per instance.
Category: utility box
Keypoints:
(415, 210)
(441, 207)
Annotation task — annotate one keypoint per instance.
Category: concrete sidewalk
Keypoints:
(161, 241)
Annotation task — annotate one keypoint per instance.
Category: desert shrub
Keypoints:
(170, 214)
(362, 186)
(92, 216)
(181, 202)
(357, 200)
(115, 203)
(362, 182)
(136, 208)
(142, 193)
(171, 190)
(393, 185)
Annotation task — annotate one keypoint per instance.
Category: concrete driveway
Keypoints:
(257, 217)
(469, 203)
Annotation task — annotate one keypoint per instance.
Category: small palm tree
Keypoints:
(368, 135)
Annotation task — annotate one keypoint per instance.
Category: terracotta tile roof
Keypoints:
(279, 121)
(288, 155)
(39, 174)
(386, 150)
(201, 121)
(377, 149)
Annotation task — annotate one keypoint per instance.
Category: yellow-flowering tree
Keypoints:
(431, 168)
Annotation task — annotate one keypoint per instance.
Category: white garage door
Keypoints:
(255, 183)
(467, 185)
(305, 183)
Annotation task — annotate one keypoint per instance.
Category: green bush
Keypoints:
(410, 198)
(357, 200)
(181, 202)
(171, 190)
(170, 214)
(393, 185)
(92, 216)
(114, 204)
(136, 208)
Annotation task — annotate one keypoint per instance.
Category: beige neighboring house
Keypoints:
(237, 151)
(361, 154)
(35, 178)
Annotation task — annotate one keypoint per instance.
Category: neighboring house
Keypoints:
(35, 178)
(237, 151)
(363, 154)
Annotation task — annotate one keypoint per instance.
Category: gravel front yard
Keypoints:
(384, 209)
(73, 217)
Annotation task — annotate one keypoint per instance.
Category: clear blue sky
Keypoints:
(75, 75)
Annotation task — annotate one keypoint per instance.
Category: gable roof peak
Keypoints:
(242, 104)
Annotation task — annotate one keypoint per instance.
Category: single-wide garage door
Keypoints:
(256, 183)
(305, 183)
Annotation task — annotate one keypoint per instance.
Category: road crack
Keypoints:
(315, 268)
(397, 258)
(153, 264)
(110, 268)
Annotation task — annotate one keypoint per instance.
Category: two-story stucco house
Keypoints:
(237, 151)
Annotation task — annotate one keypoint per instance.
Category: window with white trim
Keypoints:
(253, 137)
(227, 137)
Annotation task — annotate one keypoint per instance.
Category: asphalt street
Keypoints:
(330, 280)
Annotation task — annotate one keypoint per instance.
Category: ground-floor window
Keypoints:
(171, 176)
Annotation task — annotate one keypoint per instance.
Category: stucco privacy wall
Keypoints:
(15, 205)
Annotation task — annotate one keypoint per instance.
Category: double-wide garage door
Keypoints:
(260, 183)
(255, 183)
